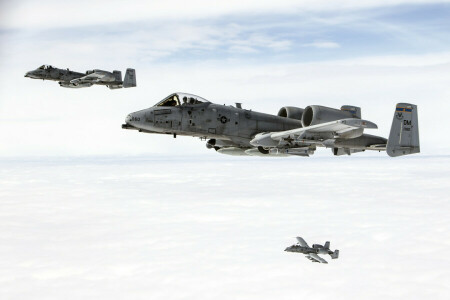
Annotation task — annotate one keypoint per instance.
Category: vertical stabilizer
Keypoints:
(327, 245)
(117, 76)
(130, 78)
(404, 136)
(335, 254)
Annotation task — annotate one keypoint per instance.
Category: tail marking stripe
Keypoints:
(405, 109)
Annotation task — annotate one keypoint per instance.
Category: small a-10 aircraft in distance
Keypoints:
(312, 253)
(71, 79)
(294, 131)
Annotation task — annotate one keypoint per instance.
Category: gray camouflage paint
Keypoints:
(71, 79)
(232, 130)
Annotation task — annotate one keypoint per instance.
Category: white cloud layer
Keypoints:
(166, 228)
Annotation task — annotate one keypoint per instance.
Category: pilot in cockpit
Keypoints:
(45, 67)
(190, 100)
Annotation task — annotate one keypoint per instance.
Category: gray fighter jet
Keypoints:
(312, 252)
(71, 79)
(294, 131)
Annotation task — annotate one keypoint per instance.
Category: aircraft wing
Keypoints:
(339, 126)
(316, 258)
(302, 242)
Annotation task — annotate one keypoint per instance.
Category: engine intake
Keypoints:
(291, 112)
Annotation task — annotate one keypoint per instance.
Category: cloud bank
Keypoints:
(164, 227)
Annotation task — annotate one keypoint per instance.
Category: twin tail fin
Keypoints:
(404, 135)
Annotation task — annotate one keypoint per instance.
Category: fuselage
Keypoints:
(190, 115)
(317, 249)
(55, 74)
(301, 249)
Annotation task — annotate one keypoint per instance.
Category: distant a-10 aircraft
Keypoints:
(71, 79)
(312, 252)
(294, 131)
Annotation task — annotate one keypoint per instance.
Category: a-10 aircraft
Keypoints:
(71, 79)
(294, 131)
(312, 253)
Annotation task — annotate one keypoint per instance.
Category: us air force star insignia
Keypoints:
(399, 115)
(223, 119)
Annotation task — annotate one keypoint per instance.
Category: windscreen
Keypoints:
(170, 101)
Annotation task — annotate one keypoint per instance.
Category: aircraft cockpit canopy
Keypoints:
(45, 67)
(178, 99)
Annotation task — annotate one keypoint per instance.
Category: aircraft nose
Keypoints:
(128, 122)
(31, 74)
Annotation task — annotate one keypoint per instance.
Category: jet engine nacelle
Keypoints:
(107, 76)
(316, 114)
(291, 112)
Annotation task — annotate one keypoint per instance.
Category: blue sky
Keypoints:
(258, 37)
(288, 37)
